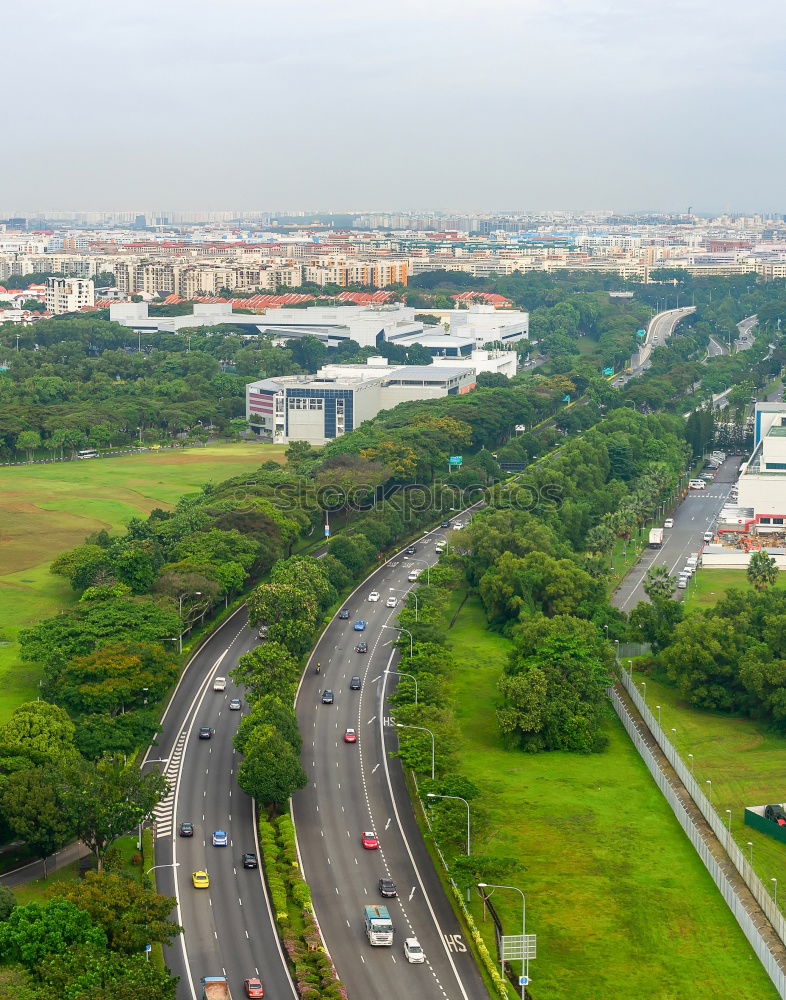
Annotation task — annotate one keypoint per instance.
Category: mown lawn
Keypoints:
(47, 509)
(620, 902)
(708, 586)
(743, 758)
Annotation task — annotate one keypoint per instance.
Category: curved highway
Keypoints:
(357, 787)
(228, 928)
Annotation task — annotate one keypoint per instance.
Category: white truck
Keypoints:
(379, 926)
(656, 538)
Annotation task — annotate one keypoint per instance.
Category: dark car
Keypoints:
(205, 732)
(387, 888)
(362, 647)
(354, 684)
(444, 524)
(775, 814)
(344, 614)
(186, 829)
(327, 697)
(249, 860)
(411, 550)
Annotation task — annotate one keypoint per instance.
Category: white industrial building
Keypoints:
(467, 329)
(318, 408)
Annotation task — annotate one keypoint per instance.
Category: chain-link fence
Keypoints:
(759, 933)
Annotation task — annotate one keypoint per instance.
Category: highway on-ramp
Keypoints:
(229, 928)
(357, 787)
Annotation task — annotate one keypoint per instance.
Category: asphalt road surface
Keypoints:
(660, 328)
(228, 928)
(696, 514)
(358, 787)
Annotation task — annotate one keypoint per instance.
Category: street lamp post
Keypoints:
(775, 883)
(401, 725)
(515, 888)
(402, 674)
(428, 568)
(397, 628)
(750, 853)
(728, 813)
(709, 782)
(658, 708)
(644, 685)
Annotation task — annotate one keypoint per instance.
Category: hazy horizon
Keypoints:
(588, 106)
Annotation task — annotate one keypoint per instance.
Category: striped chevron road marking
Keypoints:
(164, 812)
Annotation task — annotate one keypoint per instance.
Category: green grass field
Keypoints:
(620, 902)
(743, 759)
(708, 586)
(47, 509)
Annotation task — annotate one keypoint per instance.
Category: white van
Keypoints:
(697, 484)
(708, 536)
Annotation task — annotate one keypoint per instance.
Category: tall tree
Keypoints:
(32, 808)
(104, 800)
(659, 582)
(762, 570)
(270, 771)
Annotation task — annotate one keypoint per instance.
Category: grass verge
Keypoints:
(742, 757)
(620, 902)
(708, 586)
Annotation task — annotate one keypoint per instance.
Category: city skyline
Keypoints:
(608, 107)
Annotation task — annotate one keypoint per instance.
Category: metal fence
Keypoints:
(633, 650)
(753, 932)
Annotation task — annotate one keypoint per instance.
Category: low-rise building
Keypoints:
(318, 408)
(66, 295)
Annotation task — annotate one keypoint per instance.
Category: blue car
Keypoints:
(359, 626)
(220, 838)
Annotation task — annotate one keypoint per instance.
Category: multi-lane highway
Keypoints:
(697, 513)
(229, 928)
(660, 328)
(354, 787)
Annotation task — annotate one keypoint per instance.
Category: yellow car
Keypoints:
(201, 880)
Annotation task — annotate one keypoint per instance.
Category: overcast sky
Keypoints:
(359, 104)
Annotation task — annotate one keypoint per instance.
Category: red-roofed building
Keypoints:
(482, 298)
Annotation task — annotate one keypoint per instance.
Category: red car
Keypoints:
(350, 736)
(369, 840)
(253, 988)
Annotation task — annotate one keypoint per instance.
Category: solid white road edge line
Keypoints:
(205, 687)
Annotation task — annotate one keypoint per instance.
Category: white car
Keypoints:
(373, 596)
(392, 602)
(682, 583)
(411, 577)
(697, 484)
(669, 522)
(458, 526)
(413, 952)
(708, 536)
(219, 683)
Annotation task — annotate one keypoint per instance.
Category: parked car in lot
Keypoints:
(669, 522)
(682, 583)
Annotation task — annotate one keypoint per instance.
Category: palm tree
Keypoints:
(762, 570)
